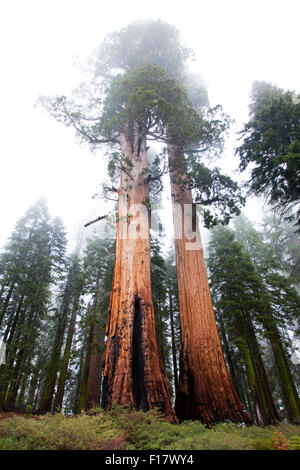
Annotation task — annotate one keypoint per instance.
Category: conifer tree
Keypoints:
(98, 270)
(173, 313)
(271, 145)
(159, 282)
(146, 101)
(279, 310)
(28, 275)
(77, 279)
(236, 287)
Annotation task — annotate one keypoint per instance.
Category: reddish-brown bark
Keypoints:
(133, 370)
(93, 388)
(204, 391)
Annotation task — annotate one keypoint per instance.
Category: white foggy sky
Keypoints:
(236, 42)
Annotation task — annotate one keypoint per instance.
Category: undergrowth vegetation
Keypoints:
(124, 429)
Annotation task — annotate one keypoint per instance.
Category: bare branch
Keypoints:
(79, 128)
(96, 220)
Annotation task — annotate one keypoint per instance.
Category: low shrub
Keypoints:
(123, 428)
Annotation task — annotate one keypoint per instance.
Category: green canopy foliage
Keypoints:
(141, 42)
(271, 148)
(140, 79)
(157, 103)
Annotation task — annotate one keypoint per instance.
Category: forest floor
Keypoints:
(122, 429)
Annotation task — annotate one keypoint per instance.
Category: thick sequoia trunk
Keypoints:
(133, 370)
(205, 390)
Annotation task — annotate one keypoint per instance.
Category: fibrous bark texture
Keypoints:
(93, 387)
(205, 390)
(133, 370)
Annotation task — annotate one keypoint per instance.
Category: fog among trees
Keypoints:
(126, 311)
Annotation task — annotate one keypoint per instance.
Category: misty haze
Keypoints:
(149, 244)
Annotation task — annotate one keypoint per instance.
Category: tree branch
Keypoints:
(157, 177)
(96, 220)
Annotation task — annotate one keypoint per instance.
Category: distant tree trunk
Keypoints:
(11, 327)
(10, 320)
(264, 406)
(160, 335)
(78, 403)
(254, 388)
(133, 370)
(90, 386)
(205, 390)
(93, 388)
(15, 382)
(25, 351)
(92, 374)
(33, 386)
(12, 344)
(66, 356)
(23, 379)
(15, 278)
(37, 393)
(289, 391)
(6, 302)
(2, 292)
(54, 363)
(230, 360)
(174, 352)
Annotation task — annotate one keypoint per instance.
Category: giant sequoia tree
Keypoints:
(137, 94)
(209, 396)
(205, 390)
(135, 106)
